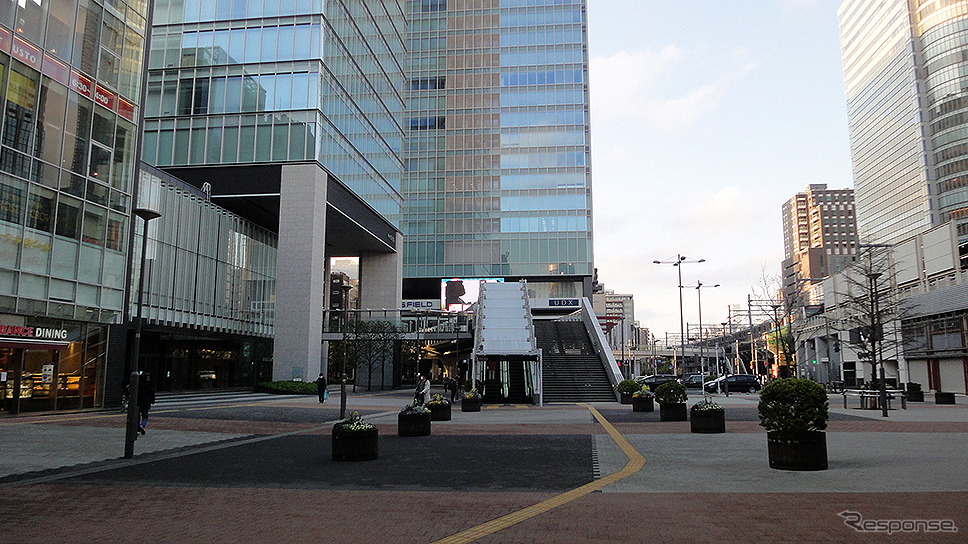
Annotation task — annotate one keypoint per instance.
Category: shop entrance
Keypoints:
(39, 376)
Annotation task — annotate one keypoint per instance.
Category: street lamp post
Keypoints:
(875, 337)
(682, 332)
(702, 359)
(131, 426)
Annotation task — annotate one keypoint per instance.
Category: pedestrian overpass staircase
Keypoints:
(573, 370)
(521, 359)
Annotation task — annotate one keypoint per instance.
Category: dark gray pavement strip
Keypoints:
(73, 463)
(446, 463)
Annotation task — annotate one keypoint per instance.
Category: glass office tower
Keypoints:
(498, 180)
(247, 82)
(905, 79)
(70, 82)
(291, 114)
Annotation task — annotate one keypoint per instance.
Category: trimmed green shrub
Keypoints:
(793, 405)
(627, 387)
(670, 393)
(288, 388)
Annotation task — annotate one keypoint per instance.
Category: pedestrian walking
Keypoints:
(423, 391)
(321, 387)
(146, 397)
(452, 384)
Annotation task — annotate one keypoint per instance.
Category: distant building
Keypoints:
(819, 234)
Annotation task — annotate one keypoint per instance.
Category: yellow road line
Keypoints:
(635, 464)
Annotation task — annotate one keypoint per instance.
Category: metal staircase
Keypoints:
(572, 370)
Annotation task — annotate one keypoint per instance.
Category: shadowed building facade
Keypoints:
(291, 115)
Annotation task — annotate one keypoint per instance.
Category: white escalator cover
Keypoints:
(505, 326)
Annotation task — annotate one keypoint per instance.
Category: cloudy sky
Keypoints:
(707, 115)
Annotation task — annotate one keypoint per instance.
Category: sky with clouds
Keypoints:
(706, 116)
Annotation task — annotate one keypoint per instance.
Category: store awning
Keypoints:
(33, 343)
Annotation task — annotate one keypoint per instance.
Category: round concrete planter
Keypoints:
(675, 411)
(643, 404)
(707, 421)
(470, 405)
(944, 398)
(439, 412)
(797, 451)
(413, 424)
(355, 445)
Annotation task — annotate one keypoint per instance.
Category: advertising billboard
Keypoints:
(458, 294)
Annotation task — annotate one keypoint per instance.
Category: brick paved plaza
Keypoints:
(259, 470)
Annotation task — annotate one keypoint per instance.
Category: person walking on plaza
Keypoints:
(452, 384)
(321, 387)
(146, 397)
(423, 390)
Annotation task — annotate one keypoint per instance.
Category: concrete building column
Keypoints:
(381, 278)
(300, 273)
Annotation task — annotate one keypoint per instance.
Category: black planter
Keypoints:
(470, 405)
(439, 412)
(413, 424)
(626, 398)
(707, 421)
(355, 445)
(944, 397)
(643, 404)
(673, 412)
(915, 396)
(797, 451)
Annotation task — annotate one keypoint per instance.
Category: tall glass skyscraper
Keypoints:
(292, 113)
(498, 179)
(905, 74)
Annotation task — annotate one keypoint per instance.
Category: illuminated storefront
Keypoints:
(50, 364)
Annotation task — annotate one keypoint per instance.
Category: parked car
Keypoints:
(656, 380)
(738, 383)
(693, 381)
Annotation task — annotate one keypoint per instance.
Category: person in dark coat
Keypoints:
(453, 386)
(146, 397)
(321, 386)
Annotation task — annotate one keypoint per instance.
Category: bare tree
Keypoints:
(867, 303)
(784, 308)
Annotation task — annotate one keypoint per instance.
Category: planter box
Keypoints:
(944, 398)
(915, 396)
(470, 405)
(413, 424)
(439, 412)
(355, 445)
(643, 404)
(626, 398)
(673, 412)
(707, 421)
(797, 451)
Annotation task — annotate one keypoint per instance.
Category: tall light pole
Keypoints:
(682, 327)
(875, 338)
(702, 359)
(131, 427)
